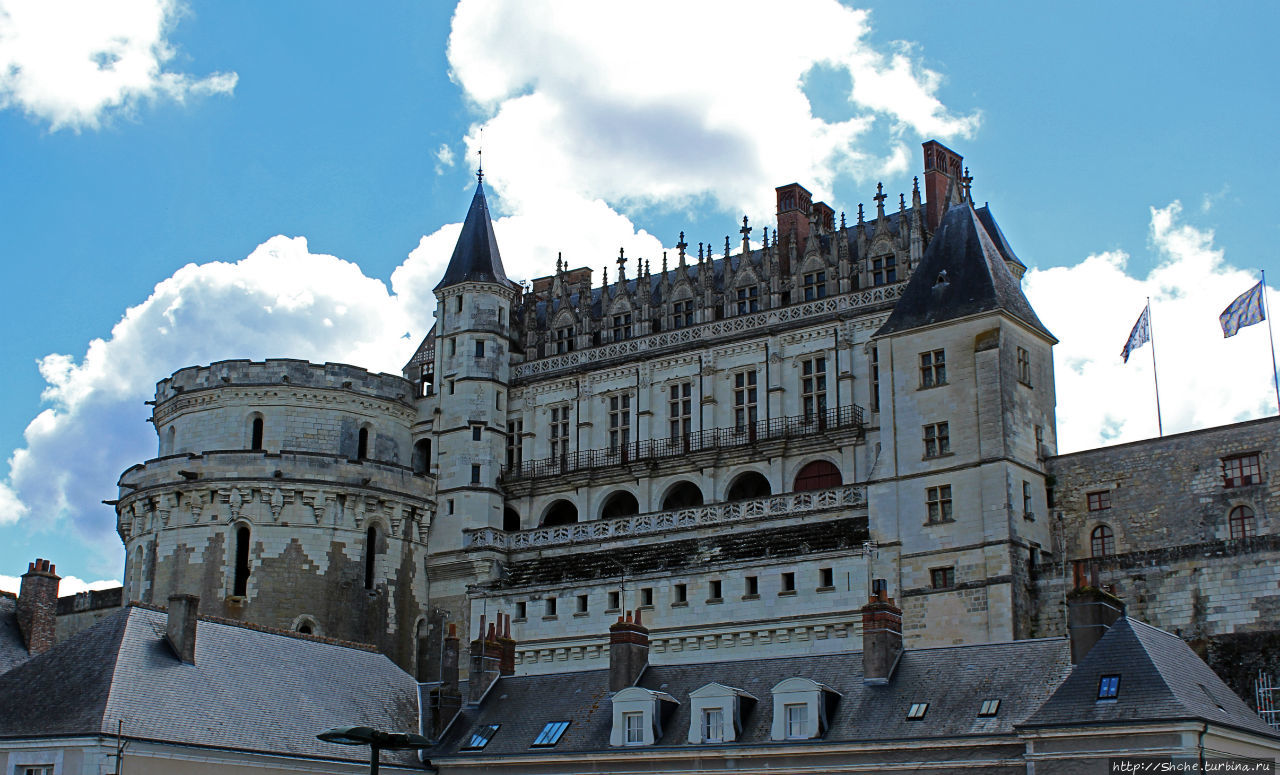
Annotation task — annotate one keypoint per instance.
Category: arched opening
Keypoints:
(818, 475)
(1102, 541)
(751, 484)
(619, 504)
(170, 440)
(560, 513)
(682, 496)
(255, 435)
(362, 447)
(1242, 523)
(422, 457)
(370, 555)
(510, 520)
(240, 585)
(305, 628)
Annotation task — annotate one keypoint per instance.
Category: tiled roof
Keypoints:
(475, 257)
(248, 689)
(13, 649)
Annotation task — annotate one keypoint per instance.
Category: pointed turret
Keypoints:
(475, 257)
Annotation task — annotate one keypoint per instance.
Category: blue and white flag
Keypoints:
(1140, 335)
(1244, 311)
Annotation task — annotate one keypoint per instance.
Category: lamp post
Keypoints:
(377, 741)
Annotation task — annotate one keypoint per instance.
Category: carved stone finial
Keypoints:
(902, 202)
(915, 184)
(681, 245)
(559, 262)
(622, 263)
(664, 263)
(880, 197)
(745, 230)
(842, 226)
(860, 218)
(700, 252)
(766, 238)
(726, 246)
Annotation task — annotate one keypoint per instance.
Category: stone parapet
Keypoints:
(285, 371)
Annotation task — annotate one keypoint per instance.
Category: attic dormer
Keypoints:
(638, 714)
(801, 707)
(715, 713)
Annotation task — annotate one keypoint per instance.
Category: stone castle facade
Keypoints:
(735, 442)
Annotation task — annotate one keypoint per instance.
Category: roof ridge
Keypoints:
(264, 628)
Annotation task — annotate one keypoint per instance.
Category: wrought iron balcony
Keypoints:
(842, 418)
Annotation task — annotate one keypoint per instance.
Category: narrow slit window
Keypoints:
(370, 554)
(241, 582)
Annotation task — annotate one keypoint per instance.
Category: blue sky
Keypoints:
(184, 183)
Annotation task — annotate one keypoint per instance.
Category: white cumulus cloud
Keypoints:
(1205, 380)
(70, 585)
(74, 62)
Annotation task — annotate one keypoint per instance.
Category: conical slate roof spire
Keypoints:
(475, 257)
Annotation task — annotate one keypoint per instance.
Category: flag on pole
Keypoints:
(1244, 311)
(1140, 335)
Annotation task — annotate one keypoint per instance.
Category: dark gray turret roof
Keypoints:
(962, 273)
(475, 257)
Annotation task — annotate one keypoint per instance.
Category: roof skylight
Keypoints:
(480, 737)
(989, 708)
(1109, 687)
(917, 711)
(550, 734)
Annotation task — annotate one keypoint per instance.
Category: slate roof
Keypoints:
(962, 273)
(475, 256)
(249, 689)
(1161, 678)
(953, 680)
(13, 649)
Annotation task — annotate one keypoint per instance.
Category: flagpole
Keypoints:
(1267, 314)
(1151, 330)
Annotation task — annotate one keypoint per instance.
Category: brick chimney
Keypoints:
(507, 661)
(628, 651)
(442, 701)
(794, 201)
(1090, 613)
(486, 656)
(943, 168)
(881, 636)
(181, 629)
(38, 606)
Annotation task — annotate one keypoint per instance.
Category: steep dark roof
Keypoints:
(475, 257)
(248, 690)
(953, 680)
(13, 649)
(962, 273)
(1161, 679)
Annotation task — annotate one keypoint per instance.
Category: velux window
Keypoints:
(480, 737)
(1108, 687)
(989, 708)
(917, 711)
(550, 734)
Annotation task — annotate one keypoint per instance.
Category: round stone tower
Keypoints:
(282, 496)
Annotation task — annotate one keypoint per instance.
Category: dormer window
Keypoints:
(801, 707)
(563, 340)
(621, 327)
(682, 314)
(638, 714)
(715, 713)
(748, 300)
(815, 286)
(713, 725)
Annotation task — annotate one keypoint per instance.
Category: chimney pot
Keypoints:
(181, 630)
(37, 606)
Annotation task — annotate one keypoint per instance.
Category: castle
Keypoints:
(741, 446)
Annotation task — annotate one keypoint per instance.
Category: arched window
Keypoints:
(1102, 541)
(305, 628)
(362, 448)
(510, 520)
(422, 457)
(171, 439)
(1242, 523)
(560, 513)
(684, 495)
(370, 555)
(749, 485)
(818, 475)
(255, 435)
(240, 587)
(619, 504)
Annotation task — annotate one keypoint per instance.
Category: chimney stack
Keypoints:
(38, 606)
(881, 636)
(628, 651)
(444, 701)
(507, 644)
(181, 631)
(486, 655)
(942, 169)
(1090, 613)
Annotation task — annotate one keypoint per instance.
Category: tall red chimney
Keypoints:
(38, 606)
(943, 168)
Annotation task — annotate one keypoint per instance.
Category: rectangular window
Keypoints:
(633, 724)
(716, 589)
(479, 348)
(481, 736)
(884, 270)
(1241, 470)
(564, 340)
(788, 583)
(681, 594)
(582, 604)
(712, 725)
(475, 474)
(476, 430)
(744, 399)
(875, 379)
(615, 601)
(826, 578)
(933, 368)
(497, 400)
(450, 387)
(937, 439)
(752, 587)
(449, 506)
(646, 597)
(680, 409)
(682, 314)
(36, 769)
(815, 286)
(550, 734)
(1027, 512)
(938, 502)
(813, 387)
(1024, 366)
(1099, 501)
(515, 448)
(1109, 687)
(748, 300)
(549, 606)
(1041, 453)
(522, 610)
(621, 327)
(453, 347)
(457, 303)
(989, 708)
(797, 720)
(619, 421)
(917, 711)
(559, 431)
(942, 578)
